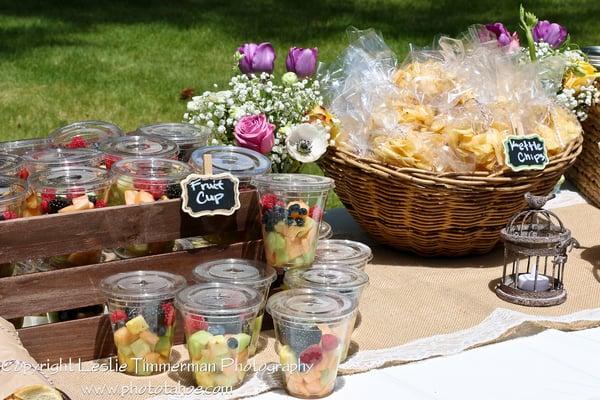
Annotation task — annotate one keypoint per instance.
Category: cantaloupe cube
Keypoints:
(130, 197)
(124, 337)
(144, 197)
(150, 338)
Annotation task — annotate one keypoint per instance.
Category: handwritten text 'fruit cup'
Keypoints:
(205, 188)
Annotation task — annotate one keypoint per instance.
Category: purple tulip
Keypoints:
(549, 32)
(301, 61)
(257, 58)
(503, 36)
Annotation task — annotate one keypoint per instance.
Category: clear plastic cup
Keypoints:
(68, 189)
(83, 134)
(142, 315)
(310, 327)
(20, 147)
(291, 210)
(237, 271)
(347, 253)
(118, 148)
(325, 231)
(332, 278)
(242, 163)
(39, 160)
(146, 180)
(219, 319)
(12, 165)
(13, 192)
(188, 137)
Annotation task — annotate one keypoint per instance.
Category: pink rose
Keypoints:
(255, 132)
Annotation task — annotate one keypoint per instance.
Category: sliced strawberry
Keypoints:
(194, 323)
(169, 312)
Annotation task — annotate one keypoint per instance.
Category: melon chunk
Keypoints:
(137, 325)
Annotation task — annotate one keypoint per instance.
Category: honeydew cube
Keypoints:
(198, 342)
(140, 348)
(150, 338)
(163, 347)
(137, 325)
(243, 341)
(123, 337)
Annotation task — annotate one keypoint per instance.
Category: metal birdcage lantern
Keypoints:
(536, 244)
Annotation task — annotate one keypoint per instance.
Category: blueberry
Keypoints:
(232, 343)
(303, 211)
(299, 222)
(299, 338)
(131, 312)
(290, 221)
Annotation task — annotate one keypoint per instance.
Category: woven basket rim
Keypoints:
(504, 177)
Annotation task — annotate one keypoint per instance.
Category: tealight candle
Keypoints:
(528, 282)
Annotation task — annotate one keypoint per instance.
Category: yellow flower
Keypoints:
(321, 114)
(583, 74)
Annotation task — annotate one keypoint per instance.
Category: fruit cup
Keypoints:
(67, 189)
(142, 316)
(291, 212)
(188, 137)
(13, 192)
(236, 271)
(146, 180)
(346, 253)
(242, 163)
(13, 165)
(118, 148)
(310, 328)
(21, 147)
(346, 281)
(83, 134)
(39, 160)
(219, 319)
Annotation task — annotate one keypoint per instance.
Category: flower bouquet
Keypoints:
(549, 43)
(283, 118)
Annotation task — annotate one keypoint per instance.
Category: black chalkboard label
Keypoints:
(210, 194)
(525, 152)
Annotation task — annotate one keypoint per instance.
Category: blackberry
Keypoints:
(57, 204)
(92, 198)
(299, 338)
(174, 191)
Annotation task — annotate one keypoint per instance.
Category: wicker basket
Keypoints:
(585, 174)
(435, 214)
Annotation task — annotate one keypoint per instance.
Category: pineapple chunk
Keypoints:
(123, 337)
(137, 325)
(150, 338)
(140, 348)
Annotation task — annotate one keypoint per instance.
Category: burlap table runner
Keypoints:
(414, 308)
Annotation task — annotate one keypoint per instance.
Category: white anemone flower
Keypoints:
(306, 142)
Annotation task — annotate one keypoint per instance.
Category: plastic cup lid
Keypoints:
(240, 162)
(10, 164)
(294, 182)
(63, 178)
(90, 131)
(20, 147)
(154, 169)
(52, 158)
(142, 285)
(329, 277)
(310, 306)
(139, 146)
(219, 299)
(343, 252)
(236, 271)
(12, 190)
(180, 133)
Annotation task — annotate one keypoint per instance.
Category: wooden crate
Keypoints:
(110, 227)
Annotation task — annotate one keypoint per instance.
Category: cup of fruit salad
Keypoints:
(39, 160)
(20, 147)
(67, 189)
(291, 212)
(83, 134)
(13, 165)
(310, 328)
(237, 271)
(118, 148)
(219, 319)
(146, 180)
(142, 315)
(188, 137)
(332, 278)
(346, 253)
(13, 192)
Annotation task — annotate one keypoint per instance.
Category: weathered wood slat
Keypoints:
(110, 227)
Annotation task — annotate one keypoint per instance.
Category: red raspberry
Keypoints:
(311, 355)
(9, 215)
(169, 312)
(118, 316)
(268, 201)
(77, 143)
(44, 206)
(194, 323)
(48, 194)
(100, 204)
(23, 174)
(316, 212)
(329, 342)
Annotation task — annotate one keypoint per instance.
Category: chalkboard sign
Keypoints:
(210, 194)
(525, 152)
